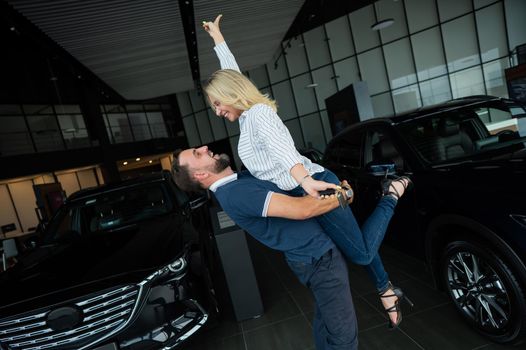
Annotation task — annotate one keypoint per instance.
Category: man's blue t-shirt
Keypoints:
(244, 200)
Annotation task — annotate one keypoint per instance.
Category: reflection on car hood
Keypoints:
(44, 275)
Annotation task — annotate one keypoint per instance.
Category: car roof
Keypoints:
(424, 112)
(94, 191)
(442, 107)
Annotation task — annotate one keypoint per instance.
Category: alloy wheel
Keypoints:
(478, 291)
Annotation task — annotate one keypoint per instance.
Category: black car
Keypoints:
(466, 216)
(110, 271)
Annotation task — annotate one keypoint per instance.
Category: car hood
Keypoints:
(56, 272)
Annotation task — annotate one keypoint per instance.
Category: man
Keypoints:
(283, 223)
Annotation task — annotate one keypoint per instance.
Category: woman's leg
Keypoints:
(359, 245)
(377, 273)
(341, 225)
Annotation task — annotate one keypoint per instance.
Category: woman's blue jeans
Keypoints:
(359, 245)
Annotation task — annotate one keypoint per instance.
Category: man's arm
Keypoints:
(301, 208)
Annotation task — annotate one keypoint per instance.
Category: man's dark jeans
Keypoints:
(334, 323)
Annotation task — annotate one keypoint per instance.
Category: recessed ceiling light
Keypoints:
(137, 159)
(150, 161)
(124, 163)
(382, 24)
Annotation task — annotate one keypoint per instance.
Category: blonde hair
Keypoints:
(232, 88)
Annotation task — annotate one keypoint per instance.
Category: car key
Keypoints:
(327, 192)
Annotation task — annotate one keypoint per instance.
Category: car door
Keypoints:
(381, 146)
(344, 156)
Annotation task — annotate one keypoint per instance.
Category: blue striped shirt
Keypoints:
(265, 144)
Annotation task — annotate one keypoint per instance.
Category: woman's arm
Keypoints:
(311, 186)
(226, 58)
(277, 140)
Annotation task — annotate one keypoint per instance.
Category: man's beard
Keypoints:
(222, 163)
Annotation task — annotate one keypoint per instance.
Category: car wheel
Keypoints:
(485, 291)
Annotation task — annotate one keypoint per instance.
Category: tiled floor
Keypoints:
(286, 324)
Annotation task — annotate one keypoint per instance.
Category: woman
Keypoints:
(268, 152)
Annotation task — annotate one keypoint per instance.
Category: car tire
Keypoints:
(485, 291)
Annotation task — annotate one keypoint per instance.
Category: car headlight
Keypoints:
(175, 270)
(520, 219)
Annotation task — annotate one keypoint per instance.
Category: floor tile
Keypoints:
(367, 315)
(289, 309)
(276, 310)
(292, 334)
(287, 277)
(420, 294)
(231, 343)
(501, 347)
(382, 339)
(359, 281)
(304, 299)
(441, 328)
(269, 284)
(226, 327)
(408, 265)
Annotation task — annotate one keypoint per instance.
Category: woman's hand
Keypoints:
(213, 29)
(312, 186)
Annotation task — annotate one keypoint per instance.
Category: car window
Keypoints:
(383, 149)
(63, 226)
(119, 208)
(463, 133)
(346, 150)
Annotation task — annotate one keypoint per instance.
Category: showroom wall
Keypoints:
(18, 200)
(436, 50)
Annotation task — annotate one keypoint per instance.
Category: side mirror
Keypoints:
(383, 168)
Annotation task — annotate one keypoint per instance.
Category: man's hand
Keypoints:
(213, 29)
(347, 190)
(312, 186)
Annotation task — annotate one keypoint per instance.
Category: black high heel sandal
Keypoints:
(386, 185)
(397, 292)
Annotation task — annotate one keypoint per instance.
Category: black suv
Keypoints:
(467, 213)
(110, 271)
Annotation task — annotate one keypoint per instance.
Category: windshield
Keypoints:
(108, 211)
(464, 133)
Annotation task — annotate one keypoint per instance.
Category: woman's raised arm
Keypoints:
(226, 58)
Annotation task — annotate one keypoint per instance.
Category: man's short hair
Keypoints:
(182, 176)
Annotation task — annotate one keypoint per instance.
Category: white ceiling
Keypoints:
(138, 47)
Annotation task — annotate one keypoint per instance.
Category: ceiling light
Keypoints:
(137, 159)
(124, 163)
(150, 161)
(382, 24)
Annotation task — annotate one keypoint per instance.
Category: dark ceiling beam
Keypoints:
(186, 7)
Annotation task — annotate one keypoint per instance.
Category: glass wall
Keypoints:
(45, 128)
(436, 50)
(41, 128)
(137, 122)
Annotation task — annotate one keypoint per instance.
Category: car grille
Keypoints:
(103, 314)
